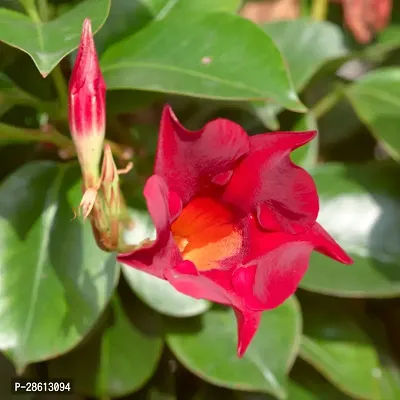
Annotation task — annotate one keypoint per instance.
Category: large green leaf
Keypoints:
(376, 99)
(306, 46)
(206, 345)
(47, 43)
(305, 384)
(360, 208)
(186, 6)
(129, 16)
(157, 293)
(192, 54)
(162, 296)
(336, 345)
(119, 358)
(55, 281)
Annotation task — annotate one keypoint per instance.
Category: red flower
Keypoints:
(235, 218)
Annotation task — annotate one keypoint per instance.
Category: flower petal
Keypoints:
(266, 182)
(189, 159)
(163, 253)
(325, 244)
(276, 262)
(186, 279)
(248, 322)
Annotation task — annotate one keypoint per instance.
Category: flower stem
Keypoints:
(30, 8)
(327, 103)
(62, 90)
(319, 11)
(39, 16)
(43, 10)
(14, 133)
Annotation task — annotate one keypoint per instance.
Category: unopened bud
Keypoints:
(87, 92)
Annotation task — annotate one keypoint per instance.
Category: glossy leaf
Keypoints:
(187, 6)
(125, 18)
(206, 346)
(306, 46)
(156, 293)
(119, 358)
(336, 345)
(55, 282)
(162, 296)
(376, 99)
(201, 65)
(47, 43)
(305, 384)
(360, 208)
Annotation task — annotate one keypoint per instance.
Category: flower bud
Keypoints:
(87, 91)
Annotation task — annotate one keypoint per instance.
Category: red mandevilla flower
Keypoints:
(87, 91)
(235, 218)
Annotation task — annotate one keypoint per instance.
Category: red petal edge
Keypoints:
(163, 253)
(187, 160)
(282, 194)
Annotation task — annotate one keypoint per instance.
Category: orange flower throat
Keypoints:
(206, 234)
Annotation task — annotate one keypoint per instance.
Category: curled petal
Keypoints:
(282, 194)
(276, 262)
(163, 253)
(248, 322)
(214, 287)
(325, 244)
(189, 159)
(268, 281)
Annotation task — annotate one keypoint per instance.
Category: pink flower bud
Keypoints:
(87, 92)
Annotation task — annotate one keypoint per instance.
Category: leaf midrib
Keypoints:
(188, 72)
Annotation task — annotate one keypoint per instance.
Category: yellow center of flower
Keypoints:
(206, 234)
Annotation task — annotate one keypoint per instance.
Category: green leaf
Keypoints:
(306, 46)
(47, 43)
(305, 384)
(186, 6)
(376, 100)
(119, 358)
(55, 280)
(193, 56)
(206, 346)
(336, 345)
(157, 293)
(360, 208)
(162, 296)
(125, 18)
(129, 16)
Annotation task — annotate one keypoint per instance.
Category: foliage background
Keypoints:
(69, 310)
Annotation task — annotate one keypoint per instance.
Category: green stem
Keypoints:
(16, 134)
(43, 10)
(62, 90)
(58, 78)
(319, 11)
(30, 8)
(326, 103)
